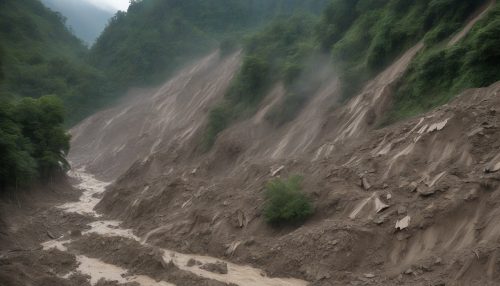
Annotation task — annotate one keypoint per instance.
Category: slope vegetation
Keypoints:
(361, 38)
(42, 56)
(434, 177)
(154, 38)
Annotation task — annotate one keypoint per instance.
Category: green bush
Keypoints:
(32, 140)
(218, 120)
(286, 203)
(434, 77)
(278, 53)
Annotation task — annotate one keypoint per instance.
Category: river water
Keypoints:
(238, 274)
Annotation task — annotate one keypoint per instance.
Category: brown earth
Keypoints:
(211, 204)
(436, 176)
(30, 218)
(142, 260)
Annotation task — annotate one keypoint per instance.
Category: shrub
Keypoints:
(286, 203)
(218, 120)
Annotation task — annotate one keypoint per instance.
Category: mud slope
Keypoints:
(431, 169)
(411, 204)
(150, 120)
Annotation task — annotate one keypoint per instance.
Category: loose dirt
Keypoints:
(412, 204)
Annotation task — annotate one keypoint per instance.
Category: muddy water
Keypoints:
(98, 269)
(87, 201)
(239, 274)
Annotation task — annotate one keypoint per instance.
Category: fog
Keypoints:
(86, 19)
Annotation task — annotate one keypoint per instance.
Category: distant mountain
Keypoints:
(87, 20)
(41, 57)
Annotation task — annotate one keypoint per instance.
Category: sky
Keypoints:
(87, 17)
(109, 5)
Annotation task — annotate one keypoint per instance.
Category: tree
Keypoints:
(286, 203)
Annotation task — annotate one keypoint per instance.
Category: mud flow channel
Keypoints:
(238, 274)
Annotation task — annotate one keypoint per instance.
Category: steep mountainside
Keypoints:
(153, 38)
(41, 56)
(373, 185)
(407, 204)
(151, 120)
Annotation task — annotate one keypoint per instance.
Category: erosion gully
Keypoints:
(238, 274)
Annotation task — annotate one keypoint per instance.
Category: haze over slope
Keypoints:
(189, 164)
(428, 171)
(86, 20)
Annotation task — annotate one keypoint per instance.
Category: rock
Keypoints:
(389, 196)
(412, 187)
(439, 261)
(492, 168)
(103, 243)
(75, 233)
(385, 186)
(425, 191)
(404, 223)
(191, 262)
(437, 126)
(379, 205)
(369, 275)
(401, 210)
(50, 234)
(366, 185)
(429, 211)
(198, 263)
(471, 195)
(218, 267)
(158, 256)
(409, 271)
(275, 172)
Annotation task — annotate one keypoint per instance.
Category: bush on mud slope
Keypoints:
(218, 120)
(436, 76)
(286, 203)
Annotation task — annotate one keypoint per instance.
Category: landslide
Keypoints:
(431, 168)
(150, 120)
(144, 260)
(28, 218)
(436, 171)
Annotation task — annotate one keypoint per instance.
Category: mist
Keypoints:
(87, 20)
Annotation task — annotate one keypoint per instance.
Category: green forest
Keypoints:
(361, 38)
(50, 80)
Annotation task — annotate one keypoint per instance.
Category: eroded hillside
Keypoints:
(407, 204)
(414, 203)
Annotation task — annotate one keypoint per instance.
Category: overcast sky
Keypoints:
(109, 5)
(87, 17)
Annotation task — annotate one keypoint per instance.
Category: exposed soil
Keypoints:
(417, 203)
(31, 220)
(141, 260)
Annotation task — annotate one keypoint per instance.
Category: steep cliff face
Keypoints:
(150, 120)
(409, 203)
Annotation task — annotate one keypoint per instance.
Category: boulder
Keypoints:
(218, 267)
(191, 262)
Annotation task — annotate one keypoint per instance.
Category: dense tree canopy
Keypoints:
(153, 38)
(42, 56)
(33, 142)
(361, 38)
